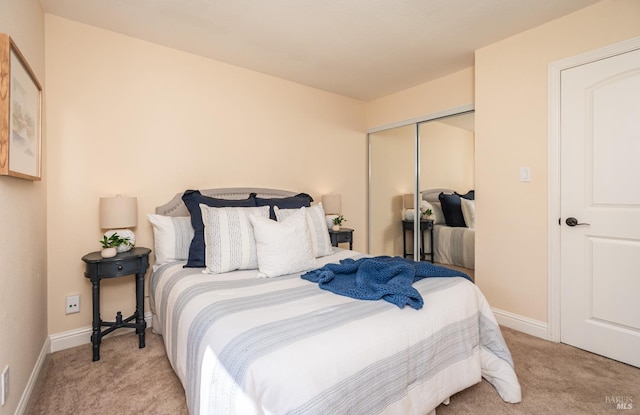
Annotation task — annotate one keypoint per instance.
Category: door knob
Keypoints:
(574, 222)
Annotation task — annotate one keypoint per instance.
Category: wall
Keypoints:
(23, 300)
(511, 131)
(450, 91)
(134, 118)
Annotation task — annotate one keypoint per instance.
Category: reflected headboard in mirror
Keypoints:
(431, 195)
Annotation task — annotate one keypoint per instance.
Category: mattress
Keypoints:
(242, 344)
(454, 245)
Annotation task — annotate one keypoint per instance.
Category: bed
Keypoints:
(241, 344)
(454, 245)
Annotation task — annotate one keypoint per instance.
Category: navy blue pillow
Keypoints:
(293, 202)
(452, 209)
(470, 195)
(192, 199)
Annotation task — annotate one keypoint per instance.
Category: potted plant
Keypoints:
(426, 213)
(111, 243)
(337, 222)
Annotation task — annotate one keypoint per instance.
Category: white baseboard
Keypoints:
(25, 399)
(524, 324)
(78, 337)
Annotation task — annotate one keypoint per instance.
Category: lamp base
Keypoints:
(123, 234)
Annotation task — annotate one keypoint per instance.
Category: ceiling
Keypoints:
(364, 49)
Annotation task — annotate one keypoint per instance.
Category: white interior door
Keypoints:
(600, 188)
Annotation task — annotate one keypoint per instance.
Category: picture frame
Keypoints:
(20, 114)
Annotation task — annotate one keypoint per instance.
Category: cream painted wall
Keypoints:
(134, 118)
(511, 131)
(450, 91)
(23, 273)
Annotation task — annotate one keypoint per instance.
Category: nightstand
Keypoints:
(425, 225)
(340, 236)
(134, 262)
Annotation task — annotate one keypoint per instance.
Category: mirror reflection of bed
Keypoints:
(454, 245)
(445, 164)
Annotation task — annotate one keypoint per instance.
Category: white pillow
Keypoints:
(468, 212)
(318, 231)
(228, 237)
(172, 237)
(283, 247)
(436, 208)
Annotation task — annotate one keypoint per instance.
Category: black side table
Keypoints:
(135, 261)
(425, 225)
(340, 236)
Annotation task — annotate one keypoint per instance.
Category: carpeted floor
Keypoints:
(555, 379)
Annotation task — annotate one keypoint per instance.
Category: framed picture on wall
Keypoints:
(20, 114)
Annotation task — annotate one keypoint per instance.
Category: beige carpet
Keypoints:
(555, 379)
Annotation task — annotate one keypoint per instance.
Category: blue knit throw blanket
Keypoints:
(381, 277)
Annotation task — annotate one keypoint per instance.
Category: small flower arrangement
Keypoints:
(114, 244)
(338, 220)
(114, 241)
(426, 212)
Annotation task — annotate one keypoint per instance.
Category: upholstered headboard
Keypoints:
(176, 207)
(431, 195)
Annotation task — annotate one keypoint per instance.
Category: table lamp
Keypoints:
(117, 214)
(408, 206)
(332, 205)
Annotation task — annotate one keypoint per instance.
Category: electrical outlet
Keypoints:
(4, 385)
(73, 304)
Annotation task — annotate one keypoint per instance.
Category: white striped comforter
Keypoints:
(247, 345)
(455, 246)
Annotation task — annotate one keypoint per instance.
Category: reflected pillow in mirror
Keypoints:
(469, 212)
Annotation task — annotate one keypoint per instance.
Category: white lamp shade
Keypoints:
(118, 212)
(332, 204)
(407, 201)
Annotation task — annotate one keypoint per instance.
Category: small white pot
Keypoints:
(108, 252)
(335, 228)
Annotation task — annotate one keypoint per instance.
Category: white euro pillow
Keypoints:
(468, 212)
(318, 231)
(436, 208)
(283, 247)
(172, 236)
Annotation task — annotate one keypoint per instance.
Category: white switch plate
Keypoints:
(525, 174)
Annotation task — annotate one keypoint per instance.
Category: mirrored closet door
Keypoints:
(392, 171)
(404, 161)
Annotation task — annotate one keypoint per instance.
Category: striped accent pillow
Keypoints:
(228, 235)
(172, 237)
(316, 222)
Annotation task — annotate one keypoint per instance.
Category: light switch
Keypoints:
(525, 174)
